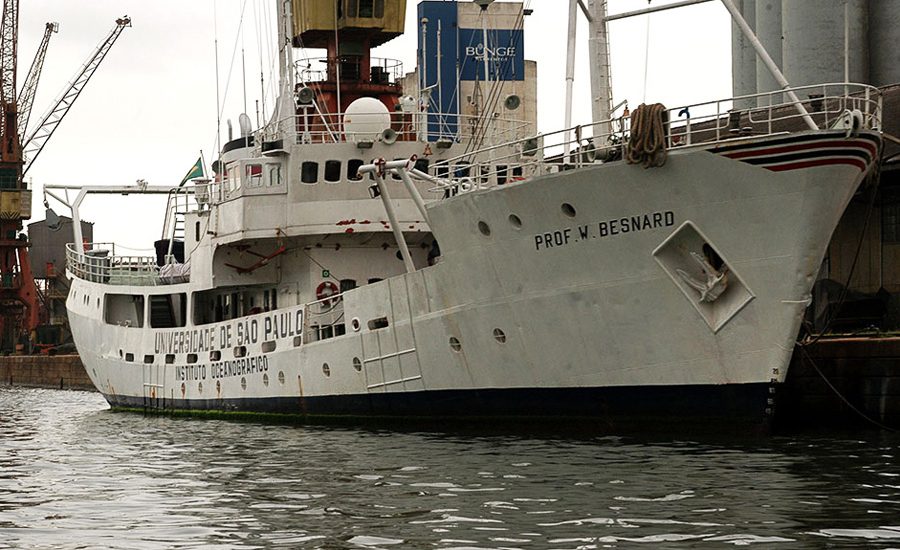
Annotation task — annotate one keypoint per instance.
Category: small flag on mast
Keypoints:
(196, 171)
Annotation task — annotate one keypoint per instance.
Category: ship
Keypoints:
(367, 255)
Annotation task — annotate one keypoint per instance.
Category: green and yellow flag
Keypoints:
(196, 171)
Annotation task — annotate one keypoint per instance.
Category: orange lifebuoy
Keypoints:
(325, 291)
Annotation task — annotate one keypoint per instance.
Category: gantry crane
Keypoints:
(18, 293)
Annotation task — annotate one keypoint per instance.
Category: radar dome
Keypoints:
(365, 119)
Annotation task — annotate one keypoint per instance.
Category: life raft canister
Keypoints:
(324, 291)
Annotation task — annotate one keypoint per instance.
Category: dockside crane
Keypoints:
(26, 95)
(19, 314)
(51, 119)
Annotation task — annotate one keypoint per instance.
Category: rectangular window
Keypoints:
(501, 174)
(422, 165)
(126, 310)
(332, 171)
(309, 172)
(353, 169)
(253, 175)
(366, 8)
(168, 310)
(274, 179)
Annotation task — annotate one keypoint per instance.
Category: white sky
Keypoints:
(151, 106)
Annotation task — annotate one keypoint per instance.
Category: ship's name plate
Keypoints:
(603, 229)
(245, 331)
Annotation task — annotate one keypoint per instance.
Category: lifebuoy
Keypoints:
(324, 291)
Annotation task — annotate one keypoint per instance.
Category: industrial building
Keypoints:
(840, 41)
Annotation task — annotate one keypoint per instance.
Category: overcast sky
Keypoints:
(151, 106)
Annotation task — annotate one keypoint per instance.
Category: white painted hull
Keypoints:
(587, 311)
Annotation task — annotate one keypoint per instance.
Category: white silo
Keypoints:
(884, 42)
(768, 30)
(743, 56)
(813, 50)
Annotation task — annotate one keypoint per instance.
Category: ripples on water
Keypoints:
(75, 475)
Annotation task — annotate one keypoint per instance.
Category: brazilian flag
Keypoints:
(196, 171)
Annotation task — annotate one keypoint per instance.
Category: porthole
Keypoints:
(499, 336)
(354, 324)
(183, 389)
(281, 377)
(243, 383)
(568, 210)
(192, 358)
(297, 341)
(218, 386)
(484, 228)
(326, 370)
(268, 347)
(515, 221)
(98, 303)
(455, 344)
(265, 379)
(240, 351)
(148, 359)
(199, 387)
(129, 357)
(357, 364)
(215, 355)
(170, 358)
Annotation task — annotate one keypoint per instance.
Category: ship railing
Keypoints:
(700, 124)
(382, 70)
(440, 129)
(324, 319)
(99, 263)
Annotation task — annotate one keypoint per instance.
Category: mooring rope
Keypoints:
(647, 142)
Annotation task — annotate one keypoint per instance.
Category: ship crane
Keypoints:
(19, 313)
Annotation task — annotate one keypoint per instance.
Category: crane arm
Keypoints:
(9, 38)
(26, 95)
(49, 122)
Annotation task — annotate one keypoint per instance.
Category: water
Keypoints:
(75, 475)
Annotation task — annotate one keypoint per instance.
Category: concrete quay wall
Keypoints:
(837, 379)
(63, 372)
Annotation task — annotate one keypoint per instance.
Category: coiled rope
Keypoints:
(647, 142)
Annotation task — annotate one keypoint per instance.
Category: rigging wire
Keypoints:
(218, 139)
(221, 104)
(646, 53)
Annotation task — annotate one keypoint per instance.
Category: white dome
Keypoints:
(365, 119)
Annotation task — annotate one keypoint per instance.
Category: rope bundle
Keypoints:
(647, 143)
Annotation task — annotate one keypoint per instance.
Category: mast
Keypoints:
(598, 51)
(570, 67)
(285, 104)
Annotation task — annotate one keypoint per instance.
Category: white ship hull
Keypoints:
(558, 296)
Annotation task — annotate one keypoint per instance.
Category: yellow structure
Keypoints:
(380, 20)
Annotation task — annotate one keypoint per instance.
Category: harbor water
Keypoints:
(73, 474)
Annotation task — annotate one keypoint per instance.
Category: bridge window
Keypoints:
(353, 169)
(422, 165)
(253, 175)
(309, 172)
(274, 175)
(332, 171)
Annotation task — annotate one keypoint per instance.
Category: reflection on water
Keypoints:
(75, 475)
